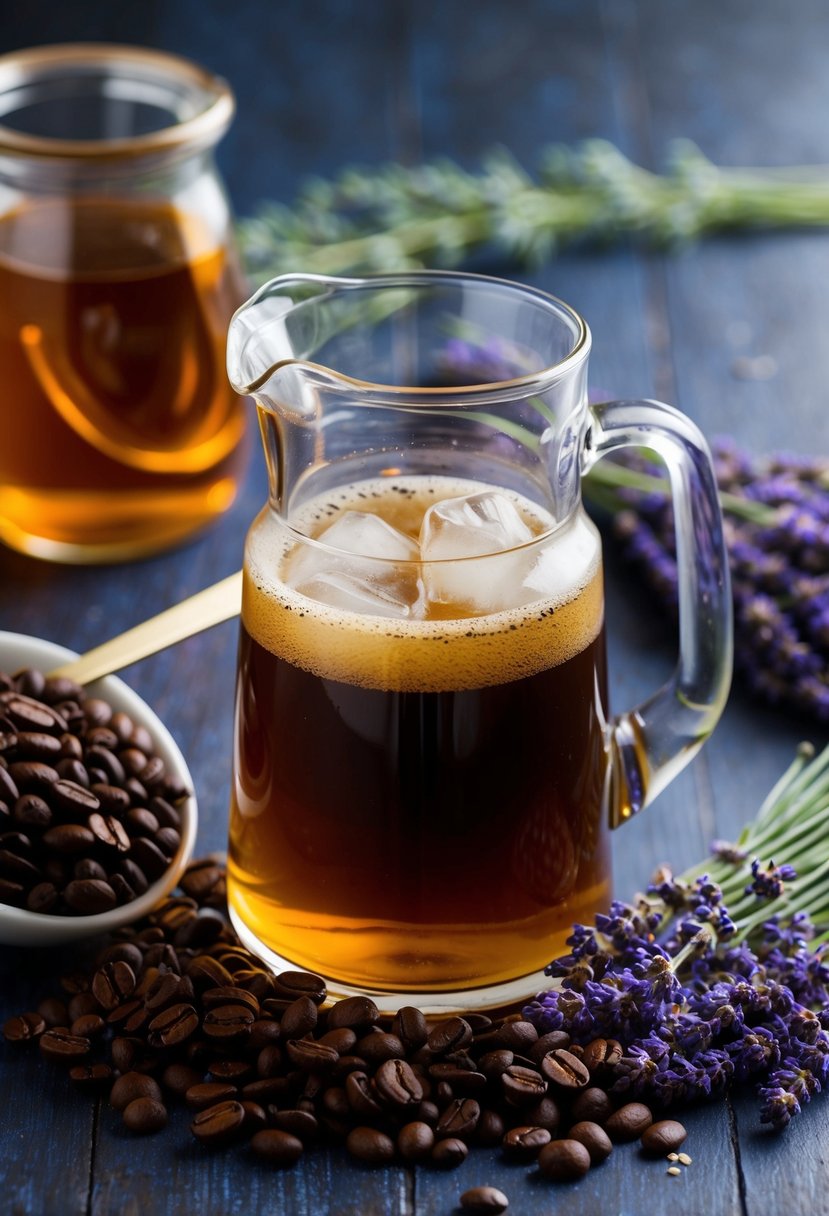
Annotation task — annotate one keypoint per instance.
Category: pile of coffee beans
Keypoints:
(89, 817)
(176, 1010)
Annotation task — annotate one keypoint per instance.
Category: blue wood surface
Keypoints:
(323, 83)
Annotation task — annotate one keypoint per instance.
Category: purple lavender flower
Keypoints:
(768, 883)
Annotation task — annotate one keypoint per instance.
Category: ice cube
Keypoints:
(485, 526)
(471, 526)
(346, 573)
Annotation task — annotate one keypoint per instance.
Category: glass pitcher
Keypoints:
(118, 277)
(425, 767)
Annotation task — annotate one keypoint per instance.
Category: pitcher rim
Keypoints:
(518, 386)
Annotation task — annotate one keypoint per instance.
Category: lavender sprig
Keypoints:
(718, 975)
(776, 521)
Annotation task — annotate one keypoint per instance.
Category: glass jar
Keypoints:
(118, 277)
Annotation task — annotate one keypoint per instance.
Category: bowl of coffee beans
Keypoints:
(97, 811)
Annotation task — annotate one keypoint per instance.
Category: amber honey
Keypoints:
(120, 434)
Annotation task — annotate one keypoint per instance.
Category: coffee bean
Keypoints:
(415, 1141)
(663, 1137)
(311, 1056)
(449, 1154)
(94, 1077)
(89, 896)
(562, 1068)
(594, 1138)
(299, 1019)
(203, 1094)
(628, 1122)
(484, 1199)
(449, 1035)
(524, 1143)
(522, 1086)
(495, 1063)
(37, 745)
(411, 1027)
(113, 984)
(178, 1078)
(173, 1026)
(200, 877)
(564, 1160)
(276, 1146)
(341, 1040)
(70, 797)
(148, 857)
(376, 1047)
(53, 1011)
(369, 1145)
(229, 994)
(490, 1129)
(109, 764)
(144, 1116)
(28, 714)
(397, 1084)
(299, 1123)
(42, 898)
(23, 1027)
(219, 1124)
(109, 832)
(592, 1104)
(32, 812)
(88, 1025)
(358, 1013)
(69, 838)
(65, 1048)
(459, 1119)
(133, 1085)
(140, 822)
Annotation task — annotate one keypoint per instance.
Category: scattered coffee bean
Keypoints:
(279, 1148)
(143, 1116)
(370, 1145)
(592, 1104)
(663, 1137)
(415, 1141)
(133, 1085)
(525, 1143)
(562, 1068)
(219, 1124)
(564, 1160)
(449, 1154)
(484, 1199)
(23, 1027)
(628, 1122)
(594, 1138)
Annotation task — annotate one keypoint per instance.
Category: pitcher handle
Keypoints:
(651, 743)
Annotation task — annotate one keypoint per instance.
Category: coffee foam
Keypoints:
(423, 655)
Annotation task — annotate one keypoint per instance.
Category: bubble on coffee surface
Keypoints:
(522, 611)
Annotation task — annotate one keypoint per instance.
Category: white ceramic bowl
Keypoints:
(21, 928)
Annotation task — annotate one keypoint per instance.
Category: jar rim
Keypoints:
(203, 128)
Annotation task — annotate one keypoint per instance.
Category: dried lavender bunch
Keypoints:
(776, 519)
(717, 976)
(391, 217)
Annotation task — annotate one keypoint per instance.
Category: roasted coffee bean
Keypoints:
(484, 1199)
(207, 972)
(369, 1145)
(168, 840)
(491, 1128)
(200, 877)
(166, 989)
(101, 736)
(449, 1035)
(459, 1119)
(269, 1062)
(564, 1160)
(113, 984)
(341, 1040)
(494, 1063)
(134, 875)
(166, 814)
(37, 745)
(81, 1004)
(310, 1056)
(65, 1048)
(109, 832)
(594, 1138)
(663, 1137)
(53, 1011)
(88, 867)
(592, 1104)
(525, 1143)
(89, 896)
(219, 1124)
(201, 929)
(360, 1096)
(94, 1077)
(23, 1027)
(465, 1083)
(140, 822)
(522, 1086)
(415, 1141)
(104, 759)
(229, 994)
(70, 839)
(70, 797)
(173, 1026)
(153, 772)
(148, 857)
(378, 1046)
(358, 1013)
(8, 788)
(449, 1154)
(203, 1094)
(628, 1122)
(601, 1055)
(88, 1025)
(42, 898)
(277, 1147)
(411, 1027)
(268, 1089)
(562, 1068)
(13, 893)
(255, 1118)
(516, 1035)
(235, 1072)
(32, 812)
(133, 1085)
(144, 1116)
(28, 714)
(397, 1084)
(299, 1019)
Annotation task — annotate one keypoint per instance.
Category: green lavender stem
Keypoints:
(392, 217)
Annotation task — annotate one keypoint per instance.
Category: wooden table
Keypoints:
(321, 83)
